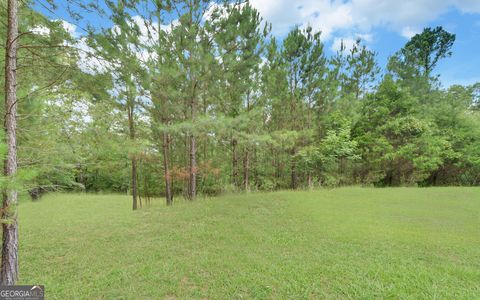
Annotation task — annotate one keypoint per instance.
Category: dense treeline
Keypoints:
(191, 97)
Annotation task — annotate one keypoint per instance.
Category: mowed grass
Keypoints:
(344, 243)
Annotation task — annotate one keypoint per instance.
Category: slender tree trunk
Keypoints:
(309, 180)
(193, 146)
(246, 157)
(294, 170)
(168, 185)
(246, 162)
(9, 267)
(131, 126)
(193, 152)
(165, 120)
(139, 190)
(140, 199)
(193, 168)
(256, 182)
(186, 181)
(276, 163)
(205, 143)
(146, 193)
(234, 162)
(134, 183)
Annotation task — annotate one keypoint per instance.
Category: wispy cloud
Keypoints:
(358, 16)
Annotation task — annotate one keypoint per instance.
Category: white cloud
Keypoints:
(408, 32)
(89, 62)
(349, 41)
(367, 37)
(348, 44)
(148, 30)
(70, 28)
(322, 15)
(358, 16)
(40, 30)
(221, 9)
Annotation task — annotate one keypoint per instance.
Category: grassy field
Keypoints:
(330, 244)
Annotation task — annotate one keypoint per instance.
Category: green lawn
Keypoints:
(330, 244)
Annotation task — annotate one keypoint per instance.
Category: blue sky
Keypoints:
(463, 67)
(384, 25)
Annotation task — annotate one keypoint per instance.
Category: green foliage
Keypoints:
(427, 48)
(414, 63)
(333, 159)
(407, 147)
(262, 114)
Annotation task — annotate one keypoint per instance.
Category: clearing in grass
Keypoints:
(342, 243)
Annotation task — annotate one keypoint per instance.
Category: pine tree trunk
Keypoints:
(131, 127)
(186, 181)
(193, 168)
(147, 196)
(234, 162)
(309, 180)
(168, 185)
(246, 157)
(246, 162)
(164, 119)
(193, 150)
(205, 143)
(140, 198)
(276, 163)
(294, 170)
(256, 181)
(9, 266)
(134, 183)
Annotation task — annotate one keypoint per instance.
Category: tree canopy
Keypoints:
(195, 97)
